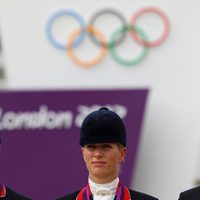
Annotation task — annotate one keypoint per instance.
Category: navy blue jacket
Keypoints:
(192, 194)
(134, 196)
(12, 195)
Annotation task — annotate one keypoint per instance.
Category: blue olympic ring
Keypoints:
(50, 21)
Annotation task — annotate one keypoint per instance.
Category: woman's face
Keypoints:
(103, 160)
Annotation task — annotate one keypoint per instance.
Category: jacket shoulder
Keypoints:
(139, 195)
(190, 194)
(12, 195)
(71, 196)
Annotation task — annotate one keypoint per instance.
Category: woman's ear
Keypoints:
(123, 151)
(82, 150)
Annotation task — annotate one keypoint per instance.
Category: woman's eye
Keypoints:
(91, 147)
(107, 146)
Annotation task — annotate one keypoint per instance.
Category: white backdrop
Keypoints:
(169, 150)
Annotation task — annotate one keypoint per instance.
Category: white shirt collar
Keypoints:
(103, 189)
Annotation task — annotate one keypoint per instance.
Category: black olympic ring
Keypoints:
(116, 14)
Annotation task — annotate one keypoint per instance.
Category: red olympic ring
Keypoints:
(163, 35)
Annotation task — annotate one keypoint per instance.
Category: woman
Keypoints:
(103, 141)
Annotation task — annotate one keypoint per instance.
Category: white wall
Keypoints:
(169, 151)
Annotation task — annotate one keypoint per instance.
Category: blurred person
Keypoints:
(197, 173)
(2, 67)
(7, 193)
(191, 194)
(103, 141)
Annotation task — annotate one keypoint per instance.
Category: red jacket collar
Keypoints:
(2, 191)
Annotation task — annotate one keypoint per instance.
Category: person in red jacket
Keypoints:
(7, 193)
(103, 145)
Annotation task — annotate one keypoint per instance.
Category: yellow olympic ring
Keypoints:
(85, 63)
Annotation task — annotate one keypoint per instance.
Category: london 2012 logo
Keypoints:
(97, 36)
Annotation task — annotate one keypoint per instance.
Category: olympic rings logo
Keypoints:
(117, 37)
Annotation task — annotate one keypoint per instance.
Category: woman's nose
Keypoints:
(98, 153)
